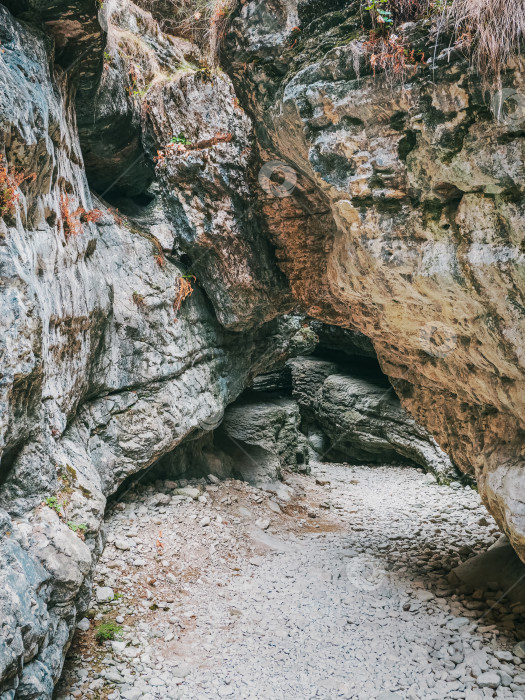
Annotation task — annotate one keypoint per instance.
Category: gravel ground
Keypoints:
(334, 586)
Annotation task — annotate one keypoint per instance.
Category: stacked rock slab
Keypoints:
(356, 415)
(262, 436)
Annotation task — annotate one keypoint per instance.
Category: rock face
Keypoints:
(360, 418)
(400, 214)
(263, 437)
(398, 217)
(103, 370)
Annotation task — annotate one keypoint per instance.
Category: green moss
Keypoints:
(71, 471)
(107, 631)
(84, 491)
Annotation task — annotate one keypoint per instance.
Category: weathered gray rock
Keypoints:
(189, 492)
(489, 679)
(263, 437)
(279, 381)
(362, 417)
(104, 594)
(99, 379)
(499, 567)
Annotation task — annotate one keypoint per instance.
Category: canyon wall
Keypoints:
(295, 183)
(104, 367)
(401, 215)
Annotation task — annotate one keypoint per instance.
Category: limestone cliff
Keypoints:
(104, 367)
(401, 215)
(396, 211)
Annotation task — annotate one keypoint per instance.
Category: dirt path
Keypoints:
(323, 590)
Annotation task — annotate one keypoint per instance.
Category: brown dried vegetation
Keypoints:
(496, 29)
(72, 218)
(491, 32)
(184, 290)
(10, 182)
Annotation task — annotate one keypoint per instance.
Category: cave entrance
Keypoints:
(225, 551)
(334, 405)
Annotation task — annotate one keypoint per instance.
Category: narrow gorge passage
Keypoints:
(246, 246)
(336, 585)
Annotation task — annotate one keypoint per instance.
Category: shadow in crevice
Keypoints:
(190, 462)
(130, 205)
(8, 460)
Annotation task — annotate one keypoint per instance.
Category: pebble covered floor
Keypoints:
(334, 586)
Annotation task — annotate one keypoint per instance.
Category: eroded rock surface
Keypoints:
(356, 415)
(263, 438)
(401, 216)
(401, 220)
(102, 372)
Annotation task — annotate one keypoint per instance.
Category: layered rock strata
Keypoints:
(353, 413)
(399, 213)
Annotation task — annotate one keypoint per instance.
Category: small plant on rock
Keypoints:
(138, 299)
(142, 92)
(181, 139)
(390, 55)
(53, 503)
(204, 21)
(108, 631)
(490, 31)
(380, 11)
(78, 528)
(70, 219)
(133, 80)
(92, 216)
(116, 216)
(158, 253)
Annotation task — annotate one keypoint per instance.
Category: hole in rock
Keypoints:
(131, 206)
(185, 260)
(8, 459)
(17, 7)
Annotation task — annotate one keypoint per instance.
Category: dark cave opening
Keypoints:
(334, 405)
(7, 462)
(130, 205)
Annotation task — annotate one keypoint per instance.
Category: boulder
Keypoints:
(499, 568)
(358, 411)
(263, 437)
